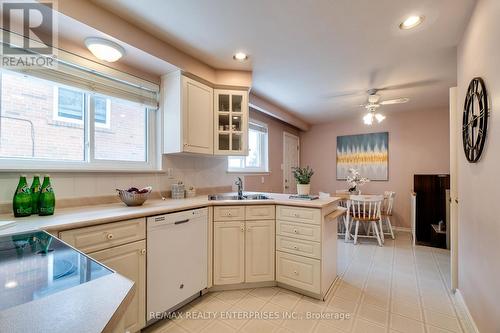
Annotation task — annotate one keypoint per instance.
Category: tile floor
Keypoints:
(395, 288)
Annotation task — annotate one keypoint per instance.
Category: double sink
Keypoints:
(244, 196)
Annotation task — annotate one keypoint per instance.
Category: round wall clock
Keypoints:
(475, 120)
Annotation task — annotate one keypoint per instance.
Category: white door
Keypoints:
(198, 117)
(290, 159)
(455, 147)
(259, 251)
(229, 252)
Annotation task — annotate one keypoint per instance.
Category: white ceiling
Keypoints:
(305, 53)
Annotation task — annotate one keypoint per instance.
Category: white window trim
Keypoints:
(264, 156)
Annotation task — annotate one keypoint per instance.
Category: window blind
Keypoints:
(257, 127)
(88, 79)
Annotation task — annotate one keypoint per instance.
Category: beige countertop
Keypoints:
(69, 218)
(94, 306)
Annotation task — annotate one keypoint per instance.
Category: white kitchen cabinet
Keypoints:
(259, 251)
(229, 252)
(187, 115)
(230, 122)
(129, 260)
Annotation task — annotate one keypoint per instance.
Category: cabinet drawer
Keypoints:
(266, 212)
(298, 214)
(95, 238)
(300, 272)
(229, 213)
(300, 247)
(298, 230)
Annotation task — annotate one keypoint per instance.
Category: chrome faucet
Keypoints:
(239, 183)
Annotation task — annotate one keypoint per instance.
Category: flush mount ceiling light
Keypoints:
(104, 49)
(240, 56)
(411, 22)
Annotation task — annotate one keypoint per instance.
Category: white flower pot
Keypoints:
(303, 189)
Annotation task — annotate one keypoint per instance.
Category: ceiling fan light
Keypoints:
(368, 119)
(379, 117)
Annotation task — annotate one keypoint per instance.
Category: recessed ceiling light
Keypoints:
(10, 284)
(240, 56)
(104, 49)
(411, 22)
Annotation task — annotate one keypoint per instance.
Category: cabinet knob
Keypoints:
(242, 228)
(143, 251)
(109, 236)
(295, 231)
(295, 247)
(296, 214)
(295, 272)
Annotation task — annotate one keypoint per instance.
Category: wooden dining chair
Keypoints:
(366, 209)
(386, 214)
(343, 228)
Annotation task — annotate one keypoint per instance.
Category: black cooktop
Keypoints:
(36, 264)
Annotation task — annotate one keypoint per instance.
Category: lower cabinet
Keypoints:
(259, 251)
(120, 246)
(229, 252)
(300, 272)
(130, 261)
(243, 251)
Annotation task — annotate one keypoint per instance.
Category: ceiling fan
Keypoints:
(374, 103)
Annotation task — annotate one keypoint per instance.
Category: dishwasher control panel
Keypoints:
(178, 217)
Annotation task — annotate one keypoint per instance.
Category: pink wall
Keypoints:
(418, 143)
(273, 182)
(478, 220)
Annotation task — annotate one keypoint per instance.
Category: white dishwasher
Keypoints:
(177, 259)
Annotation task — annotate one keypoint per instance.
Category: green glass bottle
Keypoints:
(35, 193)
(47, 200)
(22, 204)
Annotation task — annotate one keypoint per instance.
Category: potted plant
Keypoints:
(303, 178)
(354, 180)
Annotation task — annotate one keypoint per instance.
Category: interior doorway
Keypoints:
(454, 202)
(291, 159)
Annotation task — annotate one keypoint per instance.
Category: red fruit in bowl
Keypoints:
(133, 189)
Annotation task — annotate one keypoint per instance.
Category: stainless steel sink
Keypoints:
(245, 196)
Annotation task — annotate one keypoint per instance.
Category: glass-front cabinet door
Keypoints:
(231, 122)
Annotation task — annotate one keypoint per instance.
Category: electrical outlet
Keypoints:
(170, 173)
(262, 180)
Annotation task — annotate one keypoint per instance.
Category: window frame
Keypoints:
(152, 161)
(264, 154)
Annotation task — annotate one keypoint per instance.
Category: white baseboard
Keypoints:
(464, 313)
(402, 229)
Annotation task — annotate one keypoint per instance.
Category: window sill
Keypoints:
(249, 173)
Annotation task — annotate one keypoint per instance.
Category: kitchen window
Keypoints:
(53, 121)
(257, 159)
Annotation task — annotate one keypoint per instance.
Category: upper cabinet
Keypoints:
(231, 122)
(199, 119)
(187, 115)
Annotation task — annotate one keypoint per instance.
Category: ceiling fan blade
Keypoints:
(409, 85)
(395, 101)
(351, 93)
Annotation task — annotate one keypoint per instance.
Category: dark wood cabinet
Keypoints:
(431, 204)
